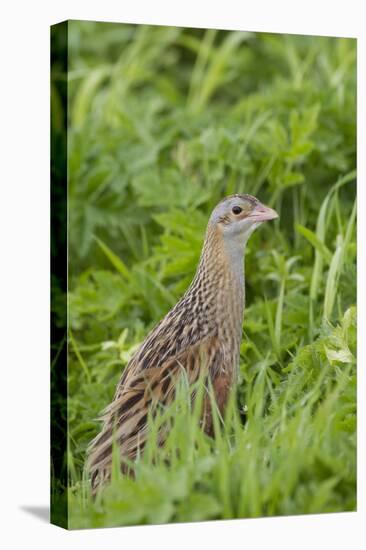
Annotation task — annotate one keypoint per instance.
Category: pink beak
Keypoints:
(263, 213)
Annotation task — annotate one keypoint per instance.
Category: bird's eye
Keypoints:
(236, 210)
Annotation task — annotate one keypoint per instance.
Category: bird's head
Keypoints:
(237, 216)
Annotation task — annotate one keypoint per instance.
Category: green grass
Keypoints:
(164, 122)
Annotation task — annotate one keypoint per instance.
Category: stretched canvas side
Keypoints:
(59, 469)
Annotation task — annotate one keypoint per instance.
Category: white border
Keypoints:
(24, 271)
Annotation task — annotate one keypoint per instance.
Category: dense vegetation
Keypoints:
(164, 122)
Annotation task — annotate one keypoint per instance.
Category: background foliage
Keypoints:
(164, 122)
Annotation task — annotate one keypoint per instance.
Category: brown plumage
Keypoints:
(201, 333)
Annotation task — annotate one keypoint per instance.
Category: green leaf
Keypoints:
(198, 507)
(114, 259)
(314, 241)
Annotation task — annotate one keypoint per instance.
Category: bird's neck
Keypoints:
(220, 276)
(223, 259)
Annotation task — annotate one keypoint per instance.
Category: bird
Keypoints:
(201, 333)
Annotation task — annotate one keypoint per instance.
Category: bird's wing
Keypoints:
(125, 419)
